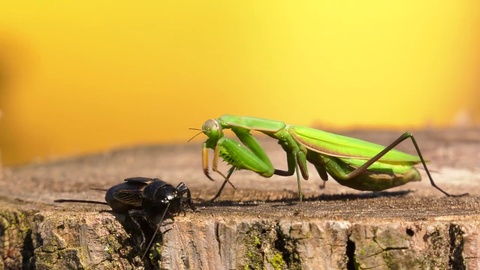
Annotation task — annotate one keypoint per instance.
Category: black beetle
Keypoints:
(151, 195)
(151, 198)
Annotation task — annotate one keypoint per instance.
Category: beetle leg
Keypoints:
(182, 189)
(132, 216)
(156, 230)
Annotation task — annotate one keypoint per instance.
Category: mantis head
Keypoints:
(213, 130)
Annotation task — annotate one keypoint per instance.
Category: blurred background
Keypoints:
(88, 76)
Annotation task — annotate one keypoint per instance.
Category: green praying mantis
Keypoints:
(351, 162)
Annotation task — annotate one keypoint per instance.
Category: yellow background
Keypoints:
(85, 76)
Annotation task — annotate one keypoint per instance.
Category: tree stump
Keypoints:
(258, 225)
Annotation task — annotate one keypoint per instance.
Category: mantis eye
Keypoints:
(212, 129)
(209, 125)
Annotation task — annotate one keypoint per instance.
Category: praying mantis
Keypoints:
(354, 163)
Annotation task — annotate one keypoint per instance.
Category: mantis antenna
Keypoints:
(195, 134)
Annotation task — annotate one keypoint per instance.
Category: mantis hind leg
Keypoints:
(409, 135)
(360, 170)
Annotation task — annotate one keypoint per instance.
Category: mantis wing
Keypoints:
(345, 147)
